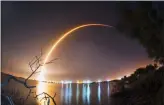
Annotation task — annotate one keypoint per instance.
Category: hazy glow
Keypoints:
(68, 33)
(41, 75)
(62, 38)
(108, 80)
(77, 82)
(119, 78)
(62, 82)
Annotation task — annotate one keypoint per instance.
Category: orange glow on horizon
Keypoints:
(62, 38)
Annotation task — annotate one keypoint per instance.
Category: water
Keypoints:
(78, 94)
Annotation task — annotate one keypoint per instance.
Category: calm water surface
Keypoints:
(78, 94)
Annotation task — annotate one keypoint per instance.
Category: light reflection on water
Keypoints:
(62, 93)
(88, 94)
(79, 94)
(84, 94)
(99, 93)
(66, 95)
(108, 91)
(70, 93)
(41, 87)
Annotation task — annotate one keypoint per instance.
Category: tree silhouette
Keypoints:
(144, 22)
(34, 65)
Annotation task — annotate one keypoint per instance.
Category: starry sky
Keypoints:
(89, 53)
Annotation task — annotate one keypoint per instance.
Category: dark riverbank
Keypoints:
(146, 89)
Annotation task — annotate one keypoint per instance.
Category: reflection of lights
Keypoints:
(88, 94)
(62, 92)
(99, 93)
(66, 94)
(108, 90)
(77, 94)
(70, 93)
(41, 87)
(84, 94)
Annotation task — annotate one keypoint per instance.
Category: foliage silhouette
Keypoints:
(144, 22)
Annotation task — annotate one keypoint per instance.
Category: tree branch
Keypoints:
(34, 62)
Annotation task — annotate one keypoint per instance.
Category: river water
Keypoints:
(77, 94)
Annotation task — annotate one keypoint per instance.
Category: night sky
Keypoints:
(90, 53)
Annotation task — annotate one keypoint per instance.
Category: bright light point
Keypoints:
(62, 82)
(41, 75)
(67, 82)
(88, 81)
(99, 81)
(108, 80)
(119, 78)
(79, 82)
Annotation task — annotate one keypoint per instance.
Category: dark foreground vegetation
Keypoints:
(144, 87)
(17, 92)
(144, 22)
(13, 97)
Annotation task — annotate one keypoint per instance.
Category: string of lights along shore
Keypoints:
(78, 82)
(57, 42)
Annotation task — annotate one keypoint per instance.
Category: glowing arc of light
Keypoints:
(68, 33)
(62, 38)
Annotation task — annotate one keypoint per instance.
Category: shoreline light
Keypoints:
(87, 81)
(99, 81)
(108, 80)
